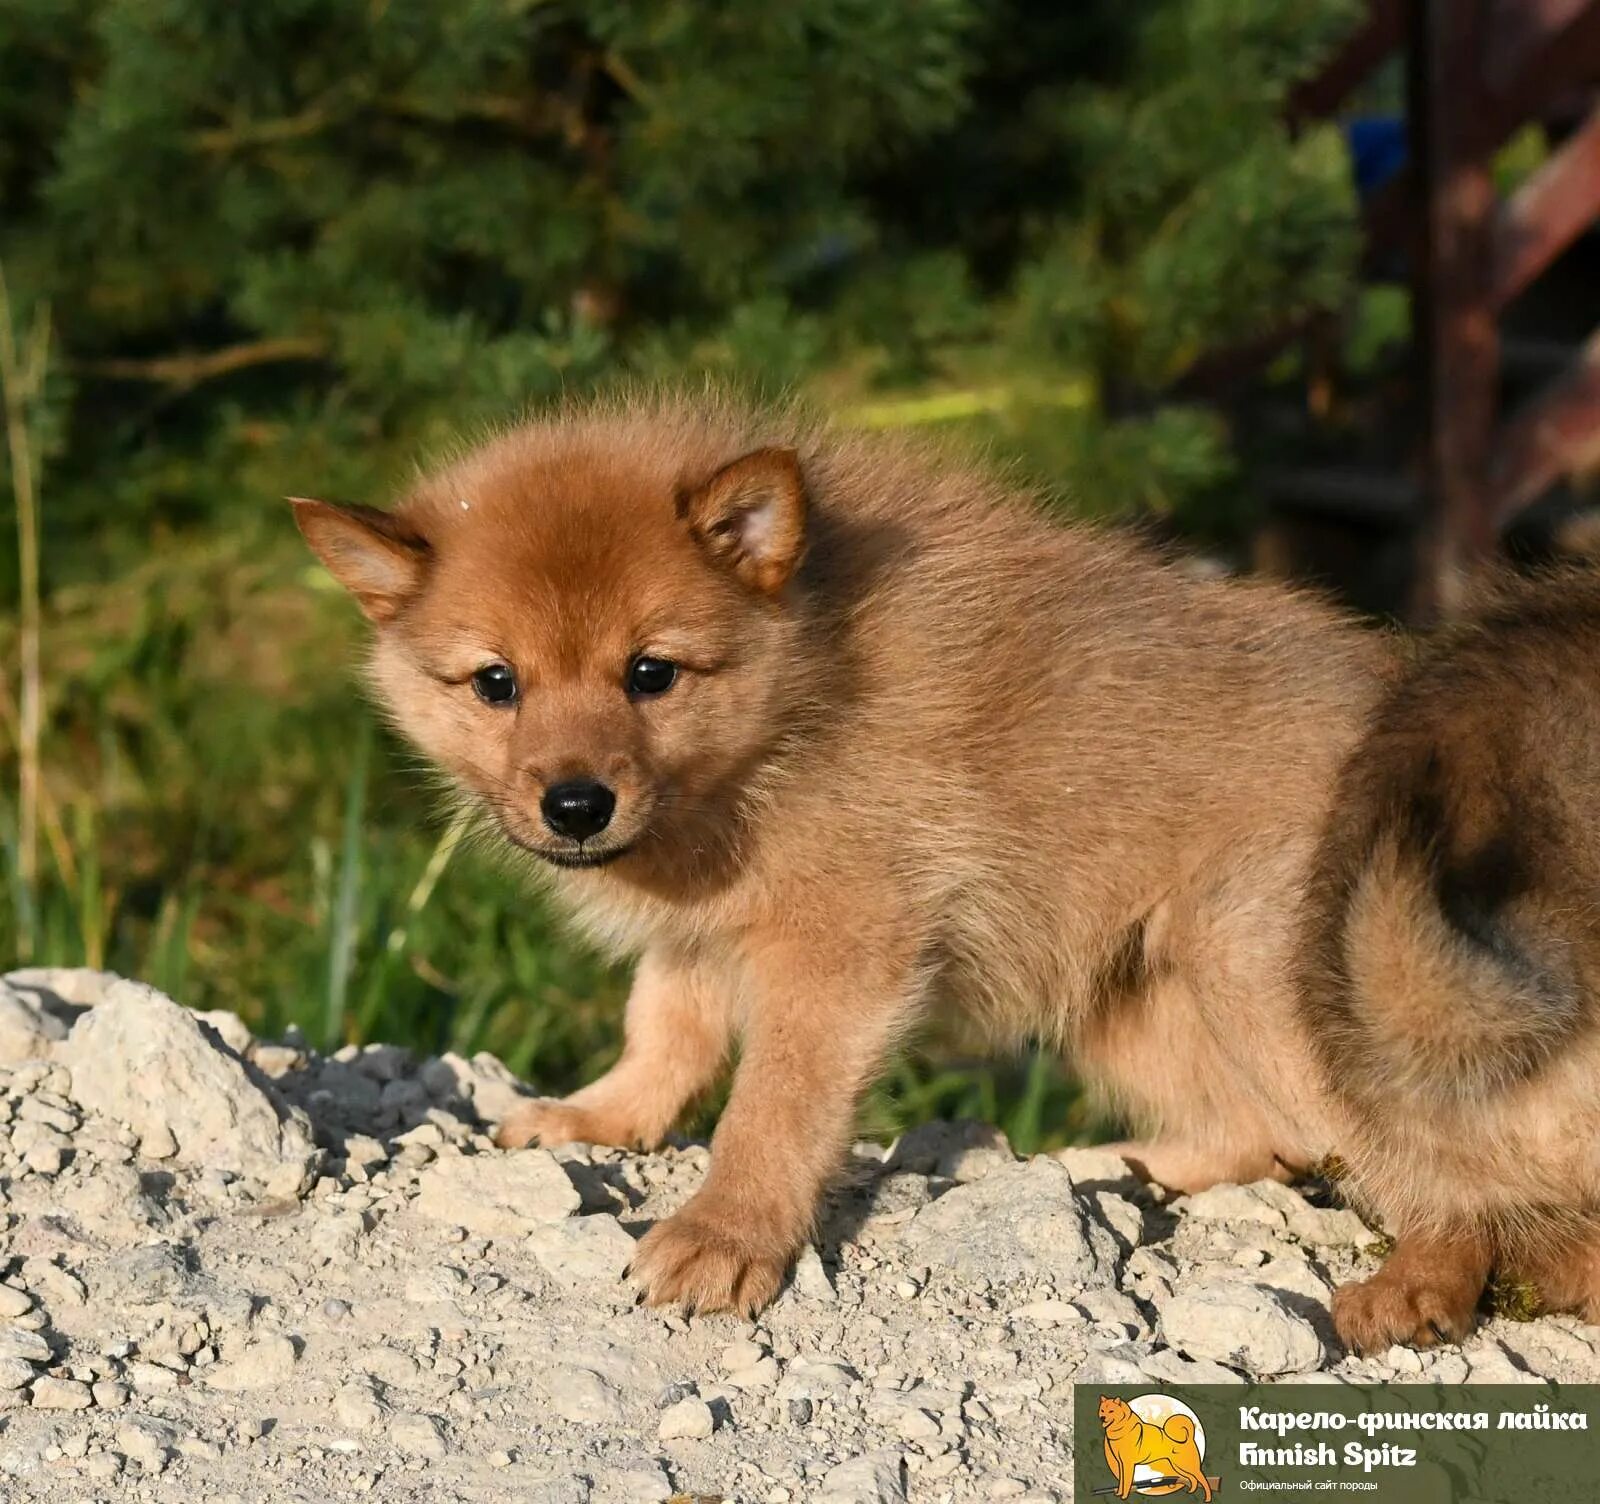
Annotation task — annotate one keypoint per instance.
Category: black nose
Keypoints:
(579, 808)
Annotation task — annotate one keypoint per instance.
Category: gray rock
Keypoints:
(37, 1110)
(419, 1436)
(814, 1378)
(150, 1378)
(1245, 1326)
(811, 1280)
(1049, 1313)
(1097, 1166)
(1293, 1276)
(690, 1419)
(1021, 1221)
(383, 1062)
(1111, 1308)
(1172, 1368)
(262, 1365)
(583, 1397)
(54, 1284)
(61, 1394)
(482, 1082)
(45, 1159)
(1330, 1227)
(357, 1407)
(62, 990)
(1260, 1203)
(141, 1059)
(960, 1151)
(1122, 1364)
(39, 1006)
(1489, 1363)
(740, 1354)
(147, 1276)
(643, 1483)
(228, 1027)
(582, 1250)
(496, 1195)
(876, 1478)
(15, 1373)
(890, 1407)
(146, 1441)
(26, 1032)
(19, 1342)
(1120, 1215)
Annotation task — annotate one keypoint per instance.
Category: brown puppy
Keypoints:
(826, 732)
(1453, 985)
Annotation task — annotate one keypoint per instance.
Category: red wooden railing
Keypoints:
(1476, 71)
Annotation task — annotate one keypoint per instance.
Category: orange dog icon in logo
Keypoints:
(1154, 1452)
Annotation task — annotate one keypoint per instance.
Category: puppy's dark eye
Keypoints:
(651, 676)
(495, 684)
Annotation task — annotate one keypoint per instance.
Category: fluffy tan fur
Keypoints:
(1453, 965)
(926, 748)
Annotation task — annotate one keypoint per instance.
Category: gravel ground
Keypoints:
(234, 1270)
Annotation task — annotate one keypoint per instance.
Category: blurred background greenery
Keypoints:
(293, 246)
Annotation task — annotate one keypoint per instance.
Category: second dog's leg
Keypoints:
(822, 1020)
(679, 1024)
(1565, 1272)
(1427, 1291)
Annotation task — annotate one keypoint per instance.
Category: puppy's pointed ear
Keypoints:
(366, 551)
(750, 517)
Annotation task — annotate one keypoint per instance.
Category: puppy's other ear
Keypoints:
(750, 517)
(366, 551)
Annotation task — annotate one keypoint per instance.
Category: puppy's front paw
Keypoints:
(545, 1120)
(1404, 1307)
(705, 1262)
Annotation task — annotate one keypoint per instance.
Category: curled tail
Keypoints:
(1451, 942)
(1179, 1428)
(1444, 989)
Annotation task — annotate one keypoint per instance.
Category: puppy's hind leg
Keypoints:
(1426, 1292)
(1209, 1128)
(1190, 1167)
(679, 1025)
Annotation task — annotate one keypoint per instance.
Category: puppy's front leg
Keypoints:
(1427, 1291)
(679, 1025)
(819, 1025)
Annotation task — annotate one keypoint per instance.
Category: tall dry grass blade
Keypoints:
(22, 372)
(429, 880)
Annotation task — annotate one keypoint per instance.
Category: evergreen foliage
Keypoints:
(280, 236)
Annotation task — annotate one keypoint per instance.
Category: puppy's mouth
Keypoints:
(570, 859)
(573, 860)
